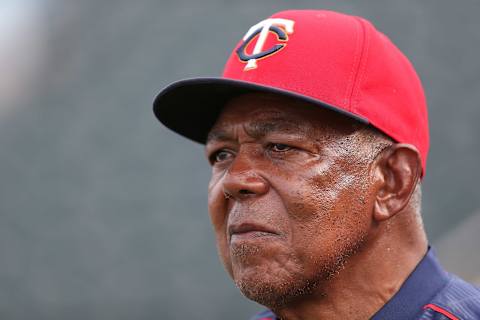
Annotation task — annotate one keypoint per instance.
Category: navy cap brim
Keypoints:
(190, 107)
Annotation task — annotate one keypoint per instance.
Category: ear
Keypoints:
(397, 171)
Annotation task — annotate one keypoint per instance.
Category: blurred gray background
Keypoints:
(103, 212)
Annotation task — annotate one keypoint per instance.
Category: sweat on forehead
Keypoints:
(268, 113)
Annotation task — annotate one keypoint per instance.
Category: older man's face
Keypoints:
(288, 196)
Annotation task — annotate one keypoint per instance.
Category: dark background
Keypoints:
(103, 211)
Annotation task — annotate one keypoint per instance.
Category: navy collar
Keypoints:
(426, 280)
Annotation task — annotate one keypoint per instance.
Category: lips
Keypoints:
(245, 231)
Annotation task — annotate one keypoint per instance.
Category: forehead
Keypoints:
(261, 113)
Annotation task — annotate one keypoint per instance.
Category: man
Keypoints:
(317, 134)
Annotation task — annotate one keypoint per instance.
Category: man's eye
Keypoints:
(220, 156)
(279, 147)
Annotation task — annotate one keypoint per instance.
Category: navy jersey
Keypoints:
(429, 293)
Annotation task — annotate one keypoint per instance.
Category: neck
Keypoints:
(369, 279)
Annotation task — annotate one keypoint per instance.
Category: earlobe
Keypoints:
(397, 172)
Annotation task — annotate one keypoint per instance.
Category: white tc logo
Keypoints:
(281, 27)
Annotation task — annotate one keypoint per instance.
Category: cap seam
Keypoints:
(354, 98)
(355, 65)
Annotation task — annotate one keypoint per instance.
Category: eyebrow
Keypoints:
(258, 129)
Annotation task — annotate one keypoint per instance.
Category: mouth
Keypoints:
(249, 231)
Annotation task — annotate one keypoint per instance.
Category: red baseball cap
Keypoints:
(329, 59)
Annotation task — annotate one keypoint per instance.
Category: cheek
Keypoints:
(217, 204)
(329, 217)
(217, 208)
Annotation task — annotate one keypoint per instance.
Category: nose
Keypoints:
(243, 180)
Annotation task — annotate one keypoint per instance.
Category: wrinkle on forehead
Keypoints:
(259, 128)
(261, 114)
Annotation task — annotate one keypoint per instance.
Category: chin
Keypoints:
(276, 285)
(272, 288)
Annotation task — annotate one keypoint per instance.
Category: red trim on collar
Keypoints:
(440, 310)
